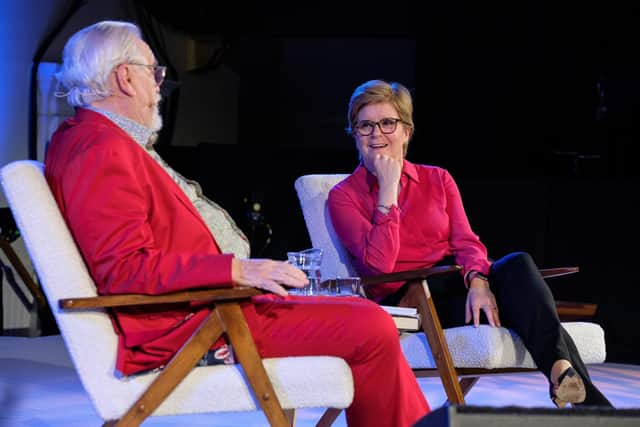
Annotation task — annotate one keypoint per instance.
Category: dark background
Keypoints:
(530, 106)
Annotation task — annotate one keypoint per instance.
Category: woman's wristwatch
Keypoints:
(385, 209)
(474, 274)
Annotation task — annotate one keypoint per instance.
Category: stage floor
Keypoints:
(39, 388)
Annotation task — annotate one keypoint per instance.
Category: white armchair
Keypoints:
(466, 352)
(270, 384)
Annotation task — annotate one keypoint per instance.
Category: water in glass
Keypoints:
(308, 261)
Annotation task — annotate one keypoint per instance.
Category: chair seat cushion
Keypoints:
(493, 348)
(299, 382)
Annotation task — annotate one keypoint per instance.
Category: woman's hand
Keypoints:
(267, 274)
(481, 297)
(388, 170)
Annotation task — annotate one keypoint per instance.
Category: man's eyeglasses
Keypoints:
(159, 71)
(386, 125)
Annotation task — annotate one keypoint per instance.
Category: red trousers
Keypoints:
(355, 329)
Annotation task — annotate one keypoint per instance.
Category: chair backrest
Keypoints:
(313, 191)
(63, 274)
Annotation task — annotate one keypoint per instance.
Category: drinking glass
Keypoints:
(347, 286)
(308, 261)
(342, 287)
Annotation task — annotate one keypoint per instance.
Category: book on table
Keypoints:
(405, 318)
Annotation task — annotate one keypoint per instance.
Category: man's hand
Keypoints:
(481, 297)
(267, 274)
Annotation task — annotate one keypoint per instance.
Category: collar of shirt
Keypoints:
(409, 172)
(141, 134)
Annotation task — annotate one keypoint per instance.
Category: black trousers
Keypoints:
(525, 304)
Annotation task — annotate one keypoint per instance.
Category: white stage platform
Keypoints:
(39, 388)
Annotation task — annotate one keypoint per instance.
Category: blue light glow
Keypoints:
(23, 24)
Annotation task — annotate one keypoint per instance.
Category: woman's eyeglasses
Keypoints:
(387, 125)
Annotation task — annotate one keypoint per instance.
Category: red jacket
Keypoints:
(137, 231)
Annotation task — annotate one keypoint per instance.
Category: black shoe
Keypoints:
(571, 389)
(594, 397)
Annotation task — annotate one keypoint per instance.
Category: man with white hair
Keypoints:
(143, 228)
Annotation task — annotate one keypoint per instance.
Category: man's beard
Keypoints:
(156, 119)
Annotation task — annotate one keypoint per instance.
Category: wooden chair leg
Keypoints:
(41, 300)
(467, 383)
(418, 296)
(328, 417)
(245, 349)
(291, 416)
(175, 371)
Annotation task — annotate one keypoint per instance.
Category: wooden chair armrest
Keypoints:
(569, 311)
(555, 272)
(403, 276)
(224, 294)
(423, 273)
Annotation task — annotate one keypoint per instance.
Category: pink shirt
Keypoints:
(428, 224)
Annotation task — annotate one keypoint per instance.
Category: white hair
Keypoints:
(90, 56)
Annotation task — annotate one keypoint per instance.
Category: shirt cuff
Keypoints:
(393, 215)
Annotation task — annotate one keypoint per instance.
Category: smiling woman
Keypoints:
(393, 215)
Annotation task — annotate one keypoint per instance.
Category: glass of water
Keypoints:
(348, 286)
(342, 287)
(308, 261)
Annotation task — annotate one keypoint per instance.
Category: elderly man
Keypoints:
(143, 228)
